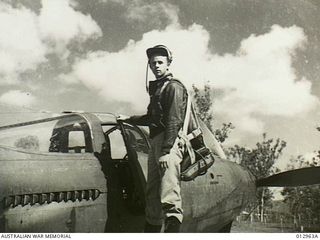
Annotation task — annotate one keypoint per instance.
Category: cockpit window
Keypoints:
(77, 141)
(115, 141)
(136, 145)
(34, 137)
(68, 134)
(71, 135)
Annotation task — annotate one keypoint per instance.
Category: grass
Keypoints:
(257, 227)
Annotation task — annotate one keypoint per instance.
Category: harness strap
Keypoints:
(195, 133)
(187, 143)
(187, 116)
(183, 133)
(163, 87)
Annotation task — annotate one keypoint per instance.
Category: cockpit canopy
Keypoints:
(64, 134)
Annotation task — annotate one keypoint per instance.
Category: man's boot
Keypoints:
(172, 225)
(150, 228)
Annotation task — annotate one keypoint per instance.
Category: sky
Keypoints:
(261, 58)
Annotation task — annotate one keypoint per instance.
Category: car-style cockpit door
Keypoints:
(127, 166)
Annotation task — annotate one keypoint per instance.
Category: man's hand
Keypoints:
(121, 117)
(163, 162)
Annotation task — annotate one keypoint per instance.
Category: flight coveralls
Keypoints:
(165, 117)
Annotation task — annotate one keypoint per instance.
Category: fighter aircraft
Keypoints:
(86, 172)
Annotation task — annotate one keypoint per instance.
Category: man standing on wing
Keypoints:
(165, 117)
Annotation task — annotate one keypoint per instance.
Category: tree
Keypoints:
(260, 162)
(203, 103)
(303, 202)
(223, 133)
(203, 100)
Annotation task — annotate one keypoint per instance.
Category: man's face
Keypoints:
(159, 65)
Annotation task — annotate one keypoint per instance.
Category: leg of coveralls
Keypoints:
(154, 215)
(170, 191)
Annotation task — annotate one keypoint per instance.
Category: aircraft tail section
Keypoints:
(292, 178)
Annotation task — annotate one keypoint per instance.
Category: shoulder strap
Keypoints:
(183, 132)
(187, 116)
(163, 87)
(167, 82)
(189, 112)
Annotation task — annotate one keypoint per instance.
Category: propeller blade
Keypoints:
(292, 178)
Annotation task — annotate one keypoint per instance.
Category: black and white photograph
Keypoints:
(159, 116)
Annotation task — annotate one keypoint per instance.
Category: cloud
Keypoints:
(155, 15)
(258, 80)
(21, 48)
(17, 98)
(261, 80)
(115, 76)
(296, 162)
(61, 24)
(27, 38)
